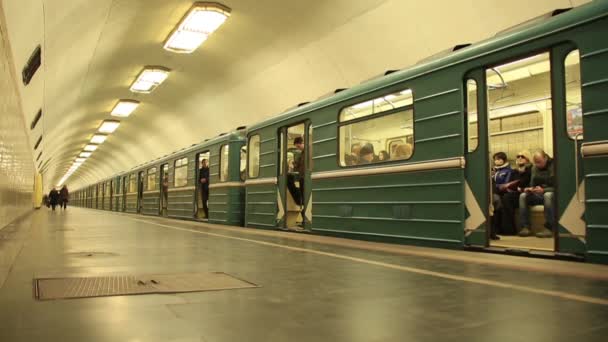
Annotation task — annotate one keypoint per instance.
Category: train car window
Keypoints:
(574, 103)
(151, 179)
(180, 173)
(243, 164)
(132, 183)
(472, 126)
(254, 156)
(381, 104)
(224, 162)
(378, 135)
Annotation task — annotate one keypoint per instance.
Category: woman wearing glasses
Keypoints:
(510, 200)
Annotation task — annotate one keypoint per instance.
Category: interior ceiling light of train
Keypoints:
(197, 25)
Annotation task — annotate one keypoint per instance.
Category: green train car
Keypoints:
(407, 157)
(168, 186)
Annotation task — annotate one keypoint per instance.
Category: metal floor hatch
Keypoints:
(121, 285)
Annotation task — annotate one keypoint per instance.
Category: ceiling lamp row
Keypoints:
(192, 31)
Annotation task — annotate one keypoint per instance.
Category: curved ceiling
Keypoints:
(268, 56)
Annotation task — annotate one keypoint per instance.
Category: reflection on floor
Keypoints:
(311, 287)
(530, 242)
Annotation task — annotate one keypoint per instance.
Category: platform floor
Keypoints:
(311, 288)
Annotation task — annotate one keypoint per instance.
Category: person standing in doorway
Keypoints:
(64, 197)
(203, 179)
(300, 167)
(165, 196)
(53, 198)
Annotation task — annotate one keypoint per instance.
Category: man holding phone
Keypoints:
(540, 191)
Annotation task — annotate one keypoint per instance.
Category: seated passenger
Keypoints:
(402, 151)
(353, 157)
(510, 200)
(540, 191)
(383, 156)
(367, 154)
(501, 176)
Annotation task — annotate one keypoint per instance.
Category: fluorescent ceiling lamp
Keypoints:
(98, 138)
(196, 26)
(124, 108)
(364, 104)
(109, 126)
(149, 78)
(90, 148)
(81, 160)
(85, 154)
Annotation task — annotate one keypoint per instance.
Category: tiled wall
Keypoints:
(16, 166)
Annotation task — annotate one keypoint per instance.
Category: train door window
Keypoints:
(243, 163)
(124, 185)
(378, 130)
(309, 168)
(132, 183)
(520, 122)
(471, 115)
(574, 108)
(282, 151)
(254, 157)
(180, 173)
(224, 162)
(151, 179)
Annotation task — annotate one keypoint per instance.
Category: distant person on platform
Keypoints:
(54, 198)
(64, 197)
(203, 179)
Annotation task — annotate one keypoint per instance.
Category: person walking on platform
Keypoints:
(203, 179)
(54, 198)
(64, 197)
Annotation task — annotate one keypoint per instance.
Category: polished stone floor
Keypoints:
(311, 288)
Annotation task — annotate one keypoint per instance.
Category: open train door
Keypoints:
(568, 135)
(476, 154)
(294, 200)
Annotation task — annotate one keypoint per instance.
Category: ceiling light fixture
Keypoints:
(196, 26)
(85, 154)
(98, 138)
(124, 108)
(90, 148)
(81, 160)
(149, 78)
(109, 126)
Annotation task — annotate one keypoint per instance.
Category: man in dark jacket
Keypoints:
(54, 198)
(510, 200)
(203, 179)
(540, 191)
(64, 197)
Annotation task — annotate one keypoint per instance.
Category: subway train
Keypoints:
(406, 157)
